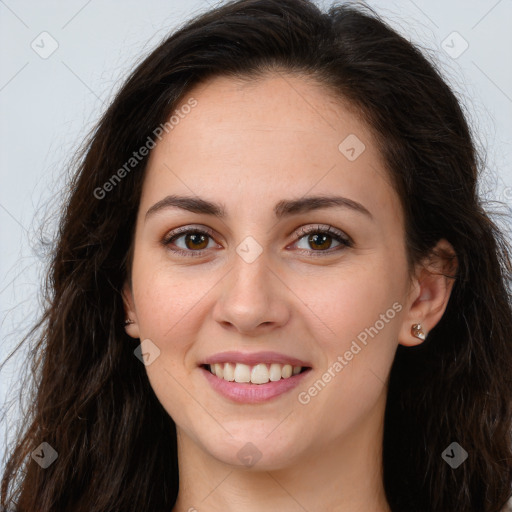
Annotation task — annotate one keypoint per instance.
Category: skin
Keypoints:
(249, 145)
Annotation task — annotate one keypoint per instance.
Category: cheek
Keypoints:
(166, 307)
(352, 299)
(359, 317)
(165, 296)
(364, 307)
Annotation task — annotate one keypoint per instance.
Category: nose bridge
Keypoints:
(251, 270)
(250, 295)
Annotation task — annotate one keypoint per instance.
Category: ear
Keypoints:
(430, 291)
(131, 329)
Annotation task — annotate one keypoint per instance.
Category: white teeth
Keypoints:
(287, 371)
(275, 372)
(229, 371)
(219, 370)
(258, 374)
(242, 373)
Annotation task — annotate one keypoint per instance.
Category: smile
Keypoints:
(248, 392)
(260, 373)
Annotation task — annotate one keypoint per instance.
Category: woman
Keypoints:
(274, 279)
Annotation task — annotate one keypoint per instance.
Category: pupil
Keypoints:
(314, 238)
(196, 239)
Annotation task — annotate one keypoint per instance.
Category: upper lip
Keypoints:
(253, 358)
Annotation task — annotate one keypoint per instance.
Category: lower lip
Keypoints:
(247, 393)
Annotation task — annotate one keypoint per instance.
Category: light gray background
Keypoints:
(48, 104)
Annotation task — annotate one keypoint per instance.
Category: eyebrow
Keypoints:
(284, 208)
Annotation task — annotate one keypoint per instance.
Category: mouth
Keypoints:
(253, 383)
(258, 374)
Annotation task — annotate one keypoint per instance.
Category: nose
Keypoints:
(253, 297)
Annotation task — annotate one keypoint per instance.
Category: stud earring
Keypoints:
(129, 321)
(417, 331)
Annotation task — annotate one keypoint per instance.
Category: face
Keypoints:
(267, 276)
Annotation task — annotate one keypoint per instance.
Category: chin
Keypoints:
(255, 453)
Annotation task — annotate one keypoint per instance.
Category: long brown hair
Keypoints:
(92, 401)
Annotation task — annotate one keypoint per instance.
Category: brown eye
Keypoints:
(320, 239)
(194, 241)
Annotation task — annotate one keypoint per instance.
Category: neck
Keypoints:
(342, 477)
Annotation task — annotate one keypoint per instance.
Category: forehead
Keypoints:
(253, 143)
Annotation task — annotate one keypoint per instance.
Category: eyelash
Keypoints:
(301, 233)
